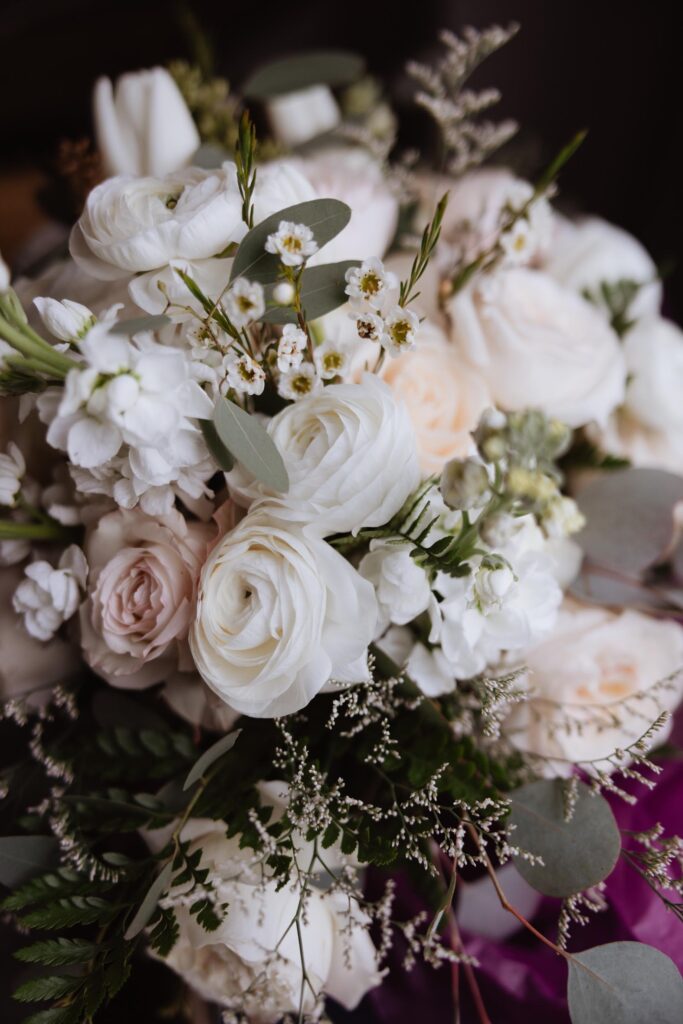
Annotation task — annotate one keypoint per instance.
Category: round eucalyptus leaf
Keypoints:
(624, 983)
(577, 853)
(629, 518)
(596, 586)
(303, 70)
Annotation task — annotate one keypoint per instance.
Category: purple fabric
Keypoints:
(521, 980)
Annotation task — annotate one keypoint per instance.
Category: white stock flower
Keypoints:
(593, 685)
(244, 302)
(537, 344)
(142, 124)
(350, 454)
(293, 243)
(66, 320)
(48, 597)
(300, 382)
(295, 117)
(648, 428)
(243, 374)
(12, 469)
(370, 283)
(402, 587)
(253, 961)
(332, 359)
(399, 334)
(279, 615)
(291, 348)
(592, 252)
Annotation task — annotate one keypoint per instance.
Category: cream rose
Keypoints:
(592, 252)
(540, 345)
(143, 580)
(237, 965)
(443, 397)
(279, 615)
(648, 428)
(351, 457)
(595, 685)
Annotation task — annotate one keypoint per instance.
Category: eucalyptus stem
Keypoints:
(9, 530)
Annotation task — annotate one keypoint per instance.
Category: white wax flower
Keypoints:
(295, 117)
(12, 469)
(300, 382)
(291, 348)
(48, 597)
(293, 243)
(279, 615)
(244, 302)
(350, 454)
(332, 359)
(66, 320)
(399, 334)
(243, 374)
(370, 283)
(142, 124)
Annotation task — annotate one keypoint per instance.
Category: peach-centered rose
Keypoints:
(443, 396)
(143, 585)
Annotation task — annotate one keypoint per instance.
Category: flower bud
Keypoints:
(66, 320)
(283, 293)
(464, 484)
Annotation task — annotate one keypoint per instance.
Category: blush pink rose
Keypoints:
(143, 583)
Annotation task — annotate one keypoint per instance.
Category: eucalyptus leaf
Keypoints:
(323, 289)
(146, 909)
(595, 586)
(251, 444)
(216, 446)
(209, 156)
(629, 518)
(624, 983)
(325, 217)
(302, 70)
(140, 323)
(222, 746)
(22, 857)
(577, 853)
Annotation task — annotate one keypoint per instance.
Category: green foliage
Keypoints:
(58, 952)
(617, 297)
(323, 288)
(249, 442)
(245, 149)
(624, 983)
(302, 70)
(428, 243)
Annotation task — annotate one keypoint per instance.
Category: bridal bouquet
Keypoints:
(340, 541)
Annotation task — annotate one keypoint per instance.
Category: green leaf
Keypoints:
(213, 442)
(325, 217)
(629, 518)
(66, 913)
(58, 952)
(251, 444)
(209, 156)
(323, 289)
(52, 987)
(624, 983)
(21, 857)
(577, 853)
(140, 323)
(55, 1015)
(149, 904)
(222, 746)
(302, 70)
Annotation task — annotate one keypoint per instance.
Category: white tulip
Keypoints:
(142, 124)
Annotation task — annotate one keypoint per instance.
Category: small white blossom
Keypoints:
(245, 302)
(291, 348)
(519, 242)
(283, 293)
(331, 359)
(4, 276)
(243, 374)
(66, 320)
(562, 517)
(299, 383)
(369, 326)
(400, 329)
(370, 282)
(293, 243)
(47, 597)
(12, 469)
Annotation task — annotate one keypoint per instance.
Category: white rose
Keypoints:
(648, 428)
(279, 615)
(142, 124)
(296, 117)
(353, 176)
(350, 454)
(443, 397)
(591, 252)
(540, 345)
(402, 587)
(237, 966)
(583, 680)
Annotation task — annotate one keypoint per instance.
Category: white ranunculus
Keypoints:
(142, 124)
(402, 587)
(65, 319)
(353, 176)
(279, 615)
(539, 345)
(350, 454)
(591, 252)
(296, 117)
(648, 428)
(583, 680)
(48, 597)
(252, 961)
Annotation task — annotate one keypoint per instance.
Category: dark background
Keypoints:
(611, 67)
